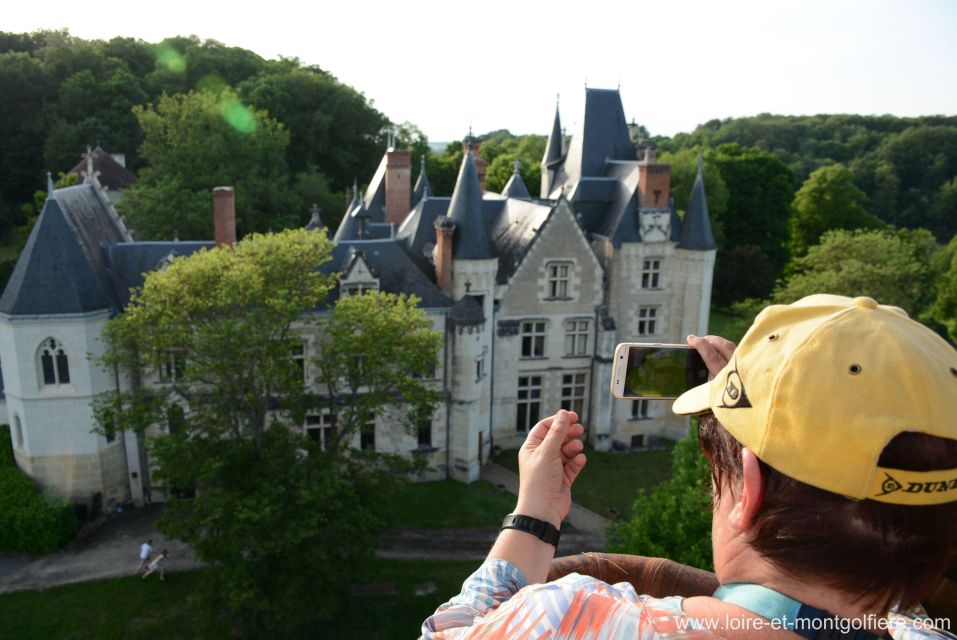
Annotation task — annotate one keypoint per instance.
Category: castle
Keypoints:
(531, 294)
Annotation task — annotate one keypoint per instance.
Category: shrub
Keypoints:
(6, 447)
(30, 520)
(673, 519)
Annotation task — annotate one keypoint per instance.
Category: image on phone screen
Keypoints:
(659, 371)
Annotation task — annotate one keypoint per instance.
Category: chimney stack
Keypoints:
(444, 229)
(224, 215)
(398, 185)
(654, 182)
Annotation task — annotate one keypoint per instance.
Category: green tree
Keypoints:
(684, 170)
(893, 268)
(828, 199)
(673, 519)
(196, 141)
(944, 309)
(760, 190)
(278, 520)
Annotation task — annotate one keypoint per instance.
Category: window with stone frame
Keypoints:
(576, 337)
(321, 429)
(299, 359)
(357, 288)
(533, 339)
(367, 435)
(651, 273)
(172, 366)
(529, 402)
(647, 321)
(54, 363)
(639, 409)
(559, 280)
(480, 367)
(424, 433)
(573, 392)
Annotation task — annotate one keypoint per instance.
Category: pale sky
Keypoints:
(446, 64)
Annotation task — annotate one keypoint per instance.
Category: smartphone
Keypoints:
(656, 371)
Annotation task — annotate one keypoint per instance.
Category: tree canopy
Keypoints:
(278, 518)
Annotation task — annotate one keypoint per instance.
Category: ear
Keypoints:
(751, 493)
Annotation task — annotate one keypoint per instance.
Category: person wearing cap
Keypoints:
(831, 432)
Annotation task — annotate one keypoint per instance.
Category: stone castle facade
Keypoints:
(531, 293)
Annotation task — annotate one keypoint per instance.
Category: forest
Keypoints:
(189, 114)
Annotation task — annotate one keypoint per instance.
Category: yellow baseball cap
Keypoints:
(819, 387)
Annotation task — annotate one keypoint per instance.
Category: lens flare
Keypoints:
(237, 115)
(170, 59)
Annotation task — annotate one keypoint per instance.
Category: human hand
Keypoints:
(715, 351)
(548, 464)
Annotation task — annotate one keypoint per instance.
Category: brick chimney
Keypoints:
(224, 215)
(444, 229)
(473, 144)
(398, 185)
(654, 182)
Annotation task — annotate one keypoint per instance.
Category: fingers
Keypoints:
(572, 448)
(574, 466)
(556, 433)
(714, 350)
(537, 434)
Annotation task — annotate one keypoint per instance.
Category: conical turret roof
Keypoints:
(696, 228)
(471, 236)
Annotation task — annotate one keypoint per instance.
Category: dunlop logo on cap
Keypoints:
(734, 395)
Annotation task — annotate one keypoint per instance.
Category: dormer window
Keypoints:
(358, 288)
(54, 363)
(559, 278)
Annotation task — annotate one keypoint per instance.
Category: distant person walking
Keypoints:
(146, 552)
(157, 565)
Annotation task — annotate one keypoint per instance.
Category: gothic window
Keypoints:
(639, 409)
(321, 429)
(647, 321)
(559, 274)
(576, 337)
(54, 363)
(573, 392)
(533, 339)
(651, 273)
(529, 405)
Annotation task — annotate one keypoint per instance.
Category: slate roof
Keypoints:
(515, 187)
(394, 265)
(112, 174)
(129, 262)
(374, 198)
(696, 227)
(422, 187)
(603, 135)
(470, 241)
(53, 275)
(349, 225)
(467, 312)
(554, 151)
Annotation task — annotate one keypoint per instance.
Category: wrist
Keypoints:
(538, 510)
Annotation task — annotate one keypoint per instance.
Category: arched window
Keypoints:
(54, 363)
(18, 431)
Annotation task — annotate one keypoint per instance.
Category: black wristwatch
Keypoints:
(544, 531)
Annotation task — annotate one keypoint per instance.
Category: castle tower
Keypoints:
(472, 284)
(554, 155)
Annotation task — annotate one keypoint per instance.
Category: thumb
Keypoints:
(556, 434)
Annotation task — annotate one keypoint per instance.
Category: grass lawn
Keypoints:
(728, 325)
(129, 608)
(447, 504)
(611, 479)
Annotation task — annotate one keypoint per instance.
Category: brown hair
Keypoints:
(878, 553)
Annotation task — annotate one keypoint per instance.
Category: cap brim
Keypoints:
(694, 401)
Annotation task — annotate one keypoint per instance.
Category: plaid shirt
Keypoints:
(497, 602)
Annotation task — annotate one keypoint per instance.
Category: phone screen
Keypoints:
(661, 372)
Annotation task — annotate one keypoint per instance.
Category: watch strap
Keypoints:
(544, 531)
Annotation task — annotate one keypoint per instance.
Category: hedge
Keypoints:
(30, 520)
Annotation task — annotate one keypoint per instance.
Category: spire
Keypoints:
(353, 223)
(515, 188)
(465, 209)
(49, 185)
(554, 152)
(422, 187)
(696, 228)
(314, 220)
